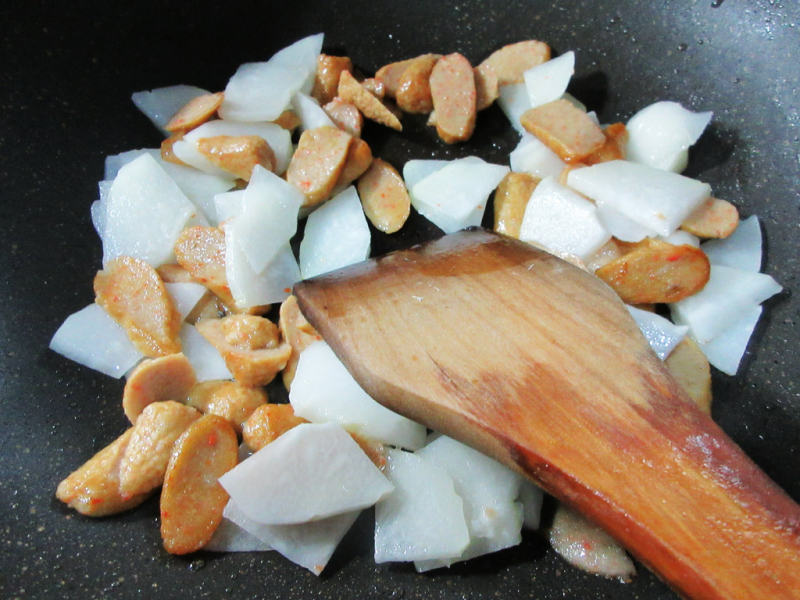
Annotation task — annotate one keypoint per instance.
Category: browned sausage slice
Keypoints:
(237, 154)
(413, 93)
(614, 146)
(359, 158)
(510, 200)
(195, 112)
(384, 196)
(714, 218)
(131, 291)
(329, 68)
(454, 98)
(486, 87)
(565, 129)
(201, 251)
(345, 116)
(511, 61)
(227, 399)
(156, 380)
(371, 107)
(318, 161)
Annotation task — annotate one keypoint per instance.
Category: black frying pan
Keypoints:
(67, 74)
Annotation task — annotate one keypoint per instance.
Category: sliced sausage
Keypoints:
(167, 153)
(195, 112)
(359, 158)
(511, 61)
(510, 200)
(345, 116)
(565, 129)
(454, 98)
(93, 488)
(250, 345)
(288, 119)
(613, 148)
(375, 87)
(237, 154)
(370, 106)
(156, 380)
(318, 161)
(656, 271)
(146, 456)
(487, 88)
(326, 82)
(384, 196)
(192, 500)
(267, 423)
(201, 251)
(714, 218)
(227, 399)
(413, 93)
(131, 291)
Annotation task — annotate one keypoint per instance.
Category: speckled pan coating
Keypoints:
(65, 83)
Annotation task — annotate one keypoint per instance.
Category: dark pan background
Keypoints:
(67, 71)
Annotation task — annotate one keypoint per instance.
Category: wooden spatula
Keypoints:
(538, 364)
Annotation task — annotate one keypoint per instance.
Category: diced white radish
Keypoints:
(724, 300)
(230, 537)
(228, 205)
(682, 238)
(199, 187)
(273, 284)
(423, 518)
(740, 250)
(145, 213)
(622, 227)
(531, 497)
(488, 491)
(309, 545)
(659, 135)
(324, 391)
(161, 104)
(311, 472)
(92, 338)
(548, 81)
(659, 200)
(514, 101)
(725, 351)
(205, 359)
(98, 214)
(185, 296)
(532, 156)
(336, 235)
(562, 221)
(114, 162)
(262, 91)
(416, 170)
(269, 217)
(661, 333)
(449, 197)
(278, 138)
(310, 112)
(580, 105)
(483, 484)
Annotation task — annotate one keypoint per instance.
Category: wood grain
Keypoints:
(537, 363)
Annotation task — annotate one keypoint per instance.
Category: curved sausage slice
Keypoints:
(195, 112)
(384, 196)
(156, 380)
(345, 116)
(413, 88)
(511, 61)
(372, 108)
(454, 98)
(329, 69)
(318, 161)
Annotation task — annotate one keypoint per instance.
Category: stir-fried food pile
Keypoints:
(197, 255)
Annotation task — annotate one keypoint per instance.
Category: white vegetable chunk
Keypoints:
(205, 359)
(657, 199)
(278, 138)
(310, 112)
(548, 81)
(161, 104)
(309, 545)
(532, 156)
(311, 472)
(230, 537)
(269, 217)
(660, 333)
(659, 135)
(336, 235)
(261, 91)
(726, 350)
(740, 250)
(416, 170)
(145, 213)
(684, 238)
(185, 296)
(114, 162)
(324, 391)
(92, 338)
(622, 227)
(450, 196)
(725, 299)
(273, 284)
(488, 491)
(228, 205)
(199, 187)
(513, 100)
(423, 518)
(562, 221)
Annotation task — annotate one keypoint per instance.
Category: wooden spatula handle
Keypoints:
(538, 364)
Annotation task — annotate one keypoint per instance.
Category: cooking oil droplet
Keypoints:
(682, 47)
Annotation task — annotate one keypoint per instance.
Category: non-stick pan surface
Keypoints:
(68, 70)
